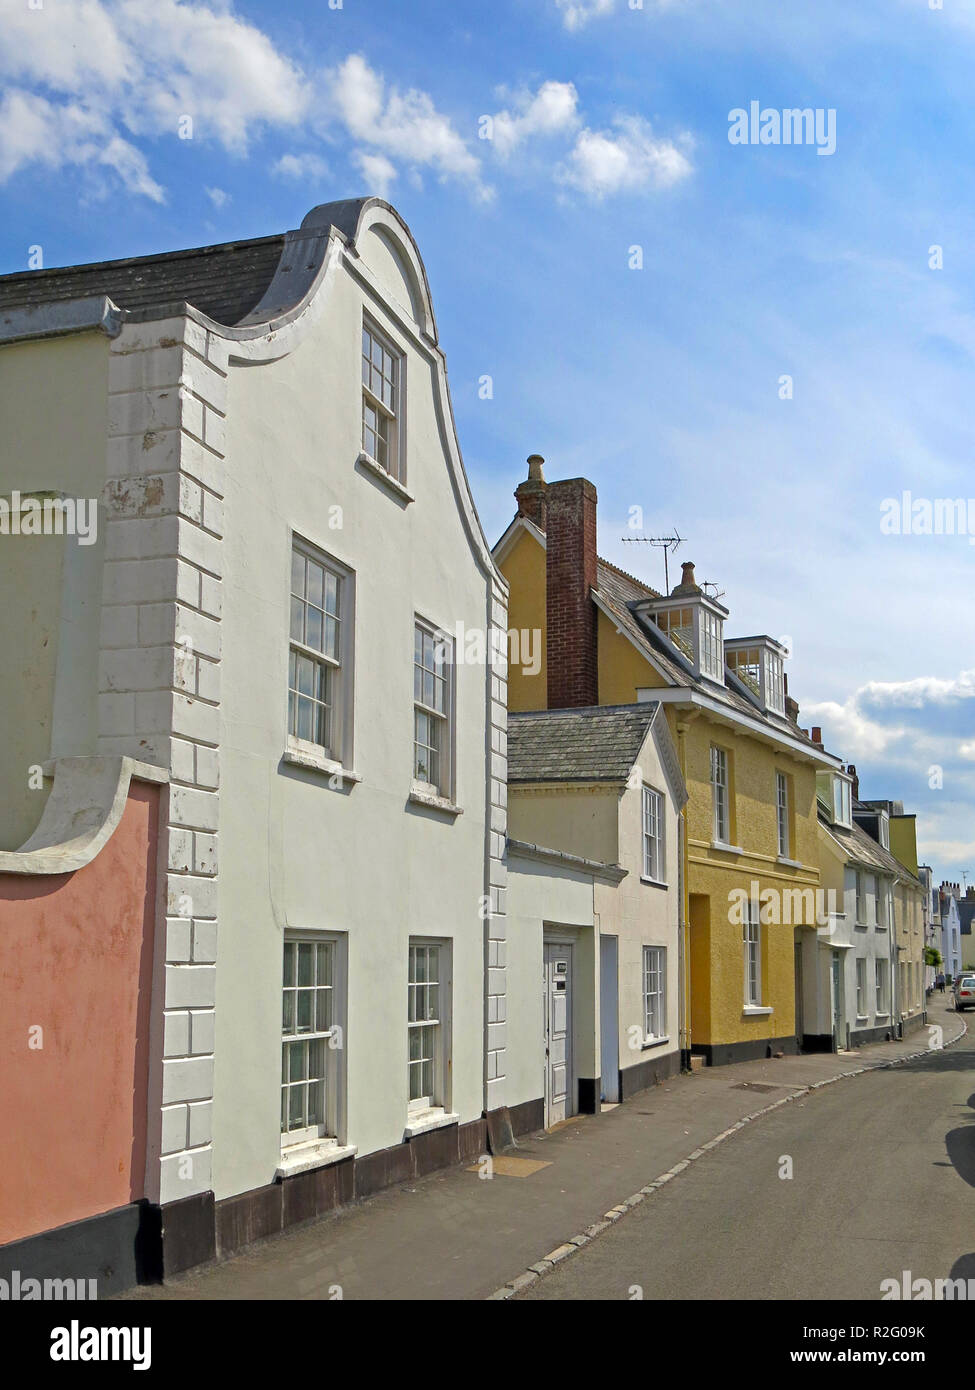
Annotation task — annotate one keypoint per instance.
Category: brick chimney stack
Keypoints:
(856, 781)
(530, 495)
(570, 575)
(817, 735)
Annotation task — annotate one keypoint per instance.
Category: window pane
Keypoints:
(313, 628)
(316, 584)
(297, 572)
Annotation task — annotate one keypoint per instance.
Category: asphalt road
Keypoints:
(883, 1181)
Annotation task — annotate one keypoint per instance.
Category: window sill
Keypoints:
(371, 465)
(425, 1120)
(303, 755)
(654, 882)
(757, 1010)
(433, 802)
(881, 1015)
(788, 863)
(862, 1018)
(649, 1043)
(319, 1153)
(726, 848)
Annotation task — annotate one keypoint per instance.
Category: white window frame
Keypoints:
(331, 1036)
(340, 667)
(861, 898)
(438, 1097)
(881, 987)
(654, 836)
(842, 802)
(751, 935)
(861, 976)
(782, 813)
(712, 646)
(443, 788)
(395, 416)
(654, 993)
(721, 794)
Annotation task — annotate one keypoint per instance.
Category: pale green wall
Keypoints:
(53, 406)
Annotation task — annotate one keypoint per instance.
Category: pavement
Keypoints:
(461, 1235)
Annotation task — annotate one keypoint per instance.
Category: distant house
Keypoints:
(951, 907)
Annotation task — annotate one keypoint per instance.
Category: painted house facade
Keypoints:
(272, 619)
(750, 824)
(849, 967)
(594, 796)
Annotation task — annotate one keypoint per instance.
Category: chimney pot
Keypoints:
(530, 494)
(688, 584)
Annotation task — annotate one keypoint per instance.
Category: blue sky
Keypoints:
(661, 384)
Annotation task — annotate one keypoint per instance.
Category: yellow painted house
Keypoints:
(597, 636)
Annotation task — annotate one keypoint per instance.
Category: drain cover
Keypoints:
(754, 1086)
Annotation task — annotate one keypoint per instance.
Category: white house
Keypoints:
(950, 929)
(274, 613)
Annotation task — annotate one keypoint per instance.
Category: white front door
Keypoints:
(556, 985)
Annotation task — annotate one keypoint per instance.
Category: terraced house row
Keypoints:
(301, 893)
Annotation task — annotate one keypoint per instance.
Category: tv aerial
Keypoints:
(664, 543)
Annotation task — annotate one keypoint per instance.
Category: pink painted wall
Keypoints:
(76, 959)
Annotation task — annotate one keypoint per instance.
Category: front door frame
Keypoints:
(562, 946)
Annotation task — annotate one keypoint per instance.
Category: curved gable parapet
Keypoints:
(359, 219)
(81, 814)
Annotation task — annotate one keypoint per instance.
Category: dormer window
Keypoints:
(694, 623)
(883, 827)
(835, 792)
(759, 663)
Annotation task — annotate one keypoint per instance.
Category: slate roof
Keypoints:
(597, 744)
(966, 912)
(225, 282)
(863, 849)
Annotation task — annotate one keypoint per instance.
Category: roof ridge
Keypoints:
(152, 257)
(654, 593)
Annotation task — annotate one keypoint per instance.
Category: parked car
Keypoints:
(964, 992)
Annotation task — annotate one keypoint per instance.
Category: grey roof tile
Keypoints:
(596, 744)
(225, 282)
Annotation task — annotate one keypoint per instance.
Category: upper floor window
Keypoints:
(319, 659)
(758, 662)
(712, 655)
(654, 866)
(432, 709)
(721, 795)
(694, 623)
(782, 812)
(835, 792)
(382, 422)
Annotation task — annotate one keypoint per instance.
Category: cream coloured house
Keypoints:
(268, 616)
(594, 860)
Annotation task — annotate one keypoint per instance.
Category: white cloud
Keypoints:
(628, 159)
(398, 125)
(551, 111)
(576, 13)
(218, 197)
(111, 69)
(301, 168)
(34, 130)
(378, 172)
